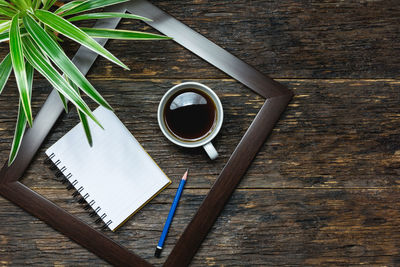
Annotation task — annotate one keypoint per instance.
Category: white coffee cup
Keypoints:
(204, 141)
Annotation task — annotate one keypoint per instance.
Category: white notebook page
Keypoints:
(116, 171)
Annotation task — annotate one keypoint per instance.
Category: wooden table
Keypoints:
(324, 190)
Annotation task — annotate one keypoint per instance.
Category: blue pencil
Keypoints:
(170, 215)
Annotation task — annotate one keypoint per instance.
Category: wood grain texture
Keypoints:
(278, 97)
(362, 120)
(287, 39)
(336, 133)
(324, 188)
(294, 227)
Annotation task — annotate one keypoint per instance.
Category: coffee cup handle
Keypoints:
(211, 151)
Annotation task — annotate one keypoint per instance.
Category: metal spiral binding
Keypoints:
(66, 179)
(60, 172)
(89, 205)
(77, 192)
(48, 160)
(105, 226)
(101, 218)
(83, 199)
(72, 185)
(54, 166)
(95, 212)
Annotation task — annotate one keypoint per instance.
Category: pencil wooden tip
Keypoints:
(185, 175)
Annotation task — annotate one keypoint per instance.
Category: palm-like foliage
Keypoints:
(32, 31)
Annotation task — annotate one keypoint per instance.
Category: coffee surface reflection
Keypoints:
(190, 114)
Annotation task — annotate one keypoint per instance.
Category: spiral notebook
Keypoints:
(115, 177)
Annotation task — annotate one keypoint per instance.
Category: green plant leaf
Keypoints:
(29, 77)
(92, 4)
(68, 6)
(122, 34)
(18, 134)
(5, 36)
(5, 71)
(64, 101)
(86, 127)
(83, 117)
(62, 97)
(40, 63)
(28, 3)
(7, 11)
(71, 31)
(5, 26)
(54, 36)
(21, 120)
(6, 4)
(18, 63)
(49, 3)
(20, 4)
(57, 55)
(36, 4)
(107, 15)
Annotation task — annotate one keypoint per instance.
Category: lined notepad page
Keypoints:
(116, 172)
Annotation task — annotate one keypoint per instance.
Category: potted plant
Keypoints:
(32, 28)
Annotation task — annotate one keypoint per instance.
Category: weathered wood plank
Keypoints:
(287, 39)
(335, 133)
(258, 227)
(324, 188)
(138, 111)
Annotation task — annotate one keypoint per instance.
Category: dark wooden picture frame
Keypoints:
(277, 97)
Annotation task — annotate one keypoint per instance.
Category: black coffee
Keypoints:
(190, 114)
